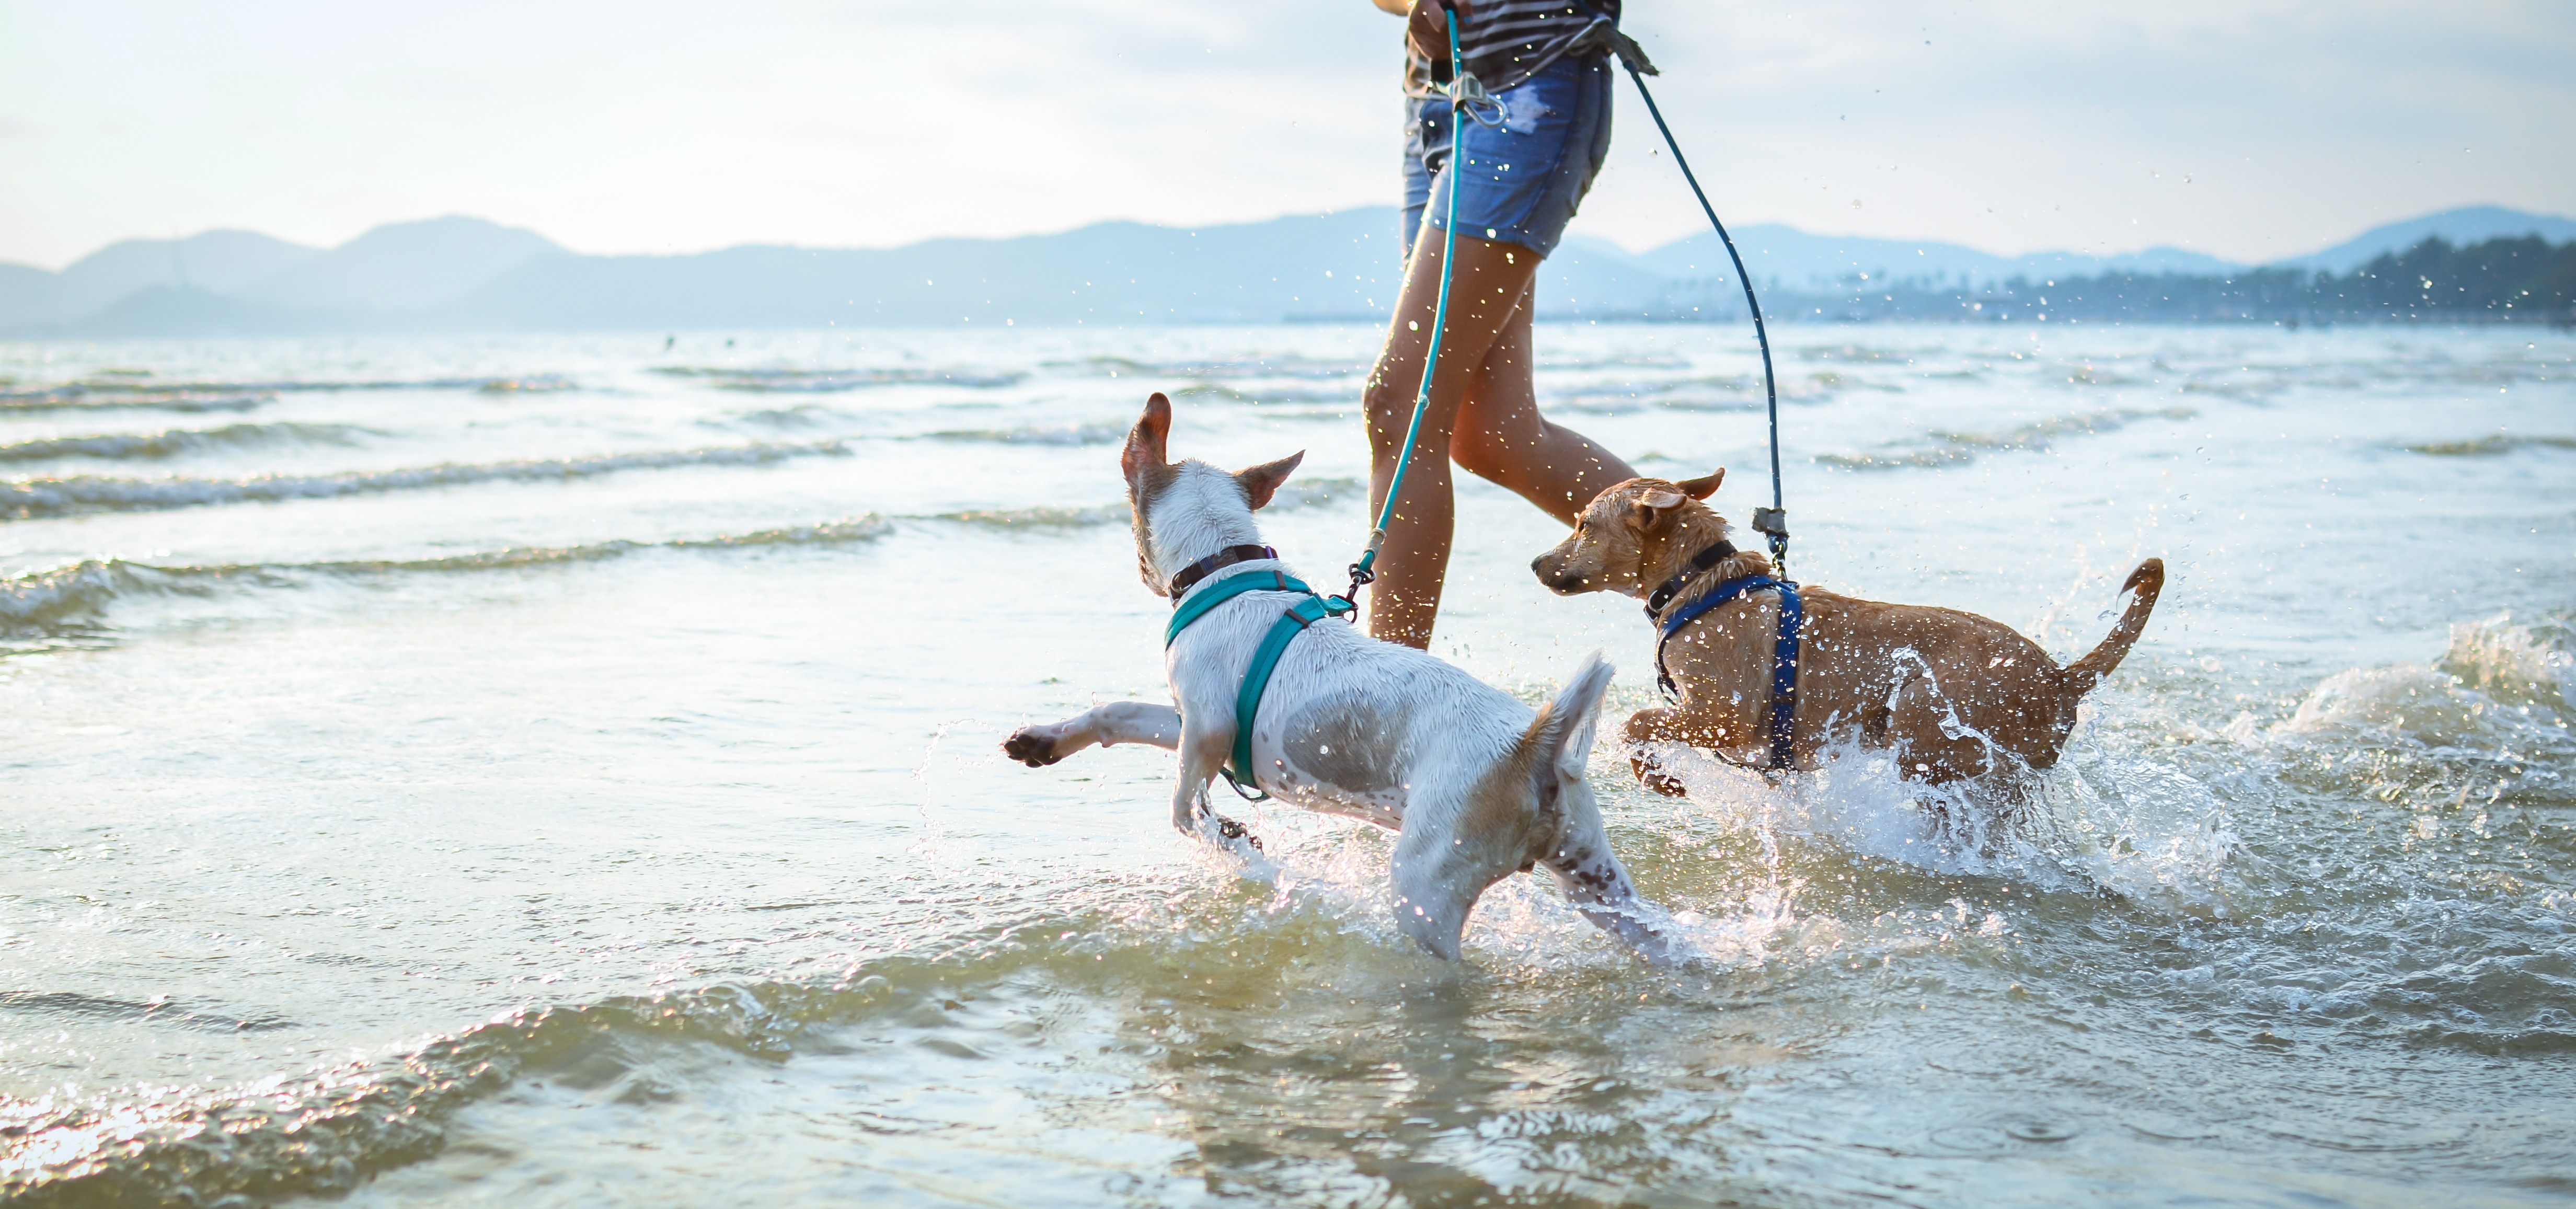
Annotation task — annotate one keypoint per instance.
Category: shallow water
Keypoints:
(563, 771)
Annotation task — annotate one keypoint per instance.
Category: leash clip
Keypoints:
(1774, 524)
(1347, 605)
(1467, 93)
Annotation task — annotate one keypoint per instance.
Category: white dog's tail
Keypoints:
(1563, 731)
(1580, 856)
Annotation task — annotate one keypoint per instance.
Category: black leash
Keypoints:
(1772, 522)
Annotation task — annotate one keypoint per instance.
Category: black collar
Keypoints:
(1212, 564)
(1699, 562)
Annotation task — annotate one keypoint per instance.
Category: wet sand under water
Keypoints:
(554, 771)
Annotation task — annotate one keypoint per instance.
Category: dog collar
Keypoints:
(1699, 562)
(1212, 564)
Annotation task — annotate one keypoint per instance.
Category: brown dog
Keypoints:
(1953, 695)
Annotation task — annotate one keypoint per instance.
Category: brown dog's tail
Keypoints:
(2148, 580)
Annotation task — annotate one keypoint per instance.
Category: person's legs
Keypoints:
(1500, 437)
(1484, 295)
(1521, 184)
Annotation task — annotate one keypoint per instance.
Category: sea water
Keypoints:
(564, 771)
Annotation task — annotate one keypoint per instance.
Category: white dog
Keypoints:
(1475, 787)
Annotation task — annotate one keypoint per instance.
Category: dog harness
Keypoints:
(1265, 658)
(1784, 653)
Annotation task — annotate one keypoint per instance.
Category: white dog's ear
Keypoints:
(1700, 489)
(1262, 481)
(1145, 440)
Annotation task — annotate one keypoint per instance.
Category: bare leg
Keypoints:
(1486, 292)
(1106, 725)
(1501, 438)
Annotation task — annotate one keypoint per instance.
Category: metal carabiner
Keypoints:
(1466, 93)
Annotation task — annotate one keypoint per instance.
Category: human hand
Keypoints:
(1427, 29)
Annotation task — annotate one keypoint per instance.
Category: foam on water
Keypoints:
(85, 591)
(25, 498)
(838, 381)
(2098, 821)
(176, 441)
(1958, 448)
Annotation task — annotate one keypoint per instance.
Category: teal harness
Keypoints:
(1265, 658)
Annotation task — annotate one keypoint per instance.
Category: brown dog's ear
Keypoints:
(1700, 489)
(1145, 440)
(1262, 481)
(1656, 507)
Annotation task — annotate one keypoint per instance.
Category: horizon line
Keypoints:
(1252, 222)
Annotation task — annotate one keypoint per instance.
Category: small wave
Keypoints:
(2097, 820)
(330, 1130)
(802, 415)
(70, 594)
(80, 593)
(64, 496)
(1628, 361)
(2495, 445)
(203, 1017)
(1285, 366)
(175, 441)
(1269, 395)
(140, 391)
(57, 400)
(1314, 493)
(863, 528)
(1043, 516)
(1858, 354)
(836, 381)
(1080, 434)
(1959, 448)
(1294, 494)
(2481, 692)
(532, 384)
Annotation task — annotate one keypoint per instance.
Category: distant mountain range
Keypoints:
(465, 274)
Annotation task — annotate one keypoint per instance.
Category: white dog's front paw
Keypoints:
(1033, 745)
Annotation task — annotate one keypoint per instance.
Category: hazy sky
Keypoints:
(2247, 128)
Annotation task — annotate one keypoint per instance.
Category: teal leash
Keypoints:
(1464, 91)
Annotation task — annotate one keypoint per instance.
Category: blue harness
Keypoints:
(1265, 658)
(1784, 656)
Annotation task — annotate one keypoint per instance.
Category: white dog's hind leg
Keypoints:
(1598, 886)
(1581, 859)
(1106, 725)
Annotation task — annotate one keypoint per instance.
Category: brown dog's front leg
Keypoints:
(1661, 724)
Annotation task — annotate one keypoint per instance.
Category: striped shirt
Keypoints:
(1506, 42)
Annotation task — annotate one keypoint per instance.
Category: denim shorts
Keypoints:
(1524, 177)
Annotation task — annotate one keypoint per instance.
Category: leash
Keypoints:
(1468, 100)
(1772, 522)
(1466, 93)
(1784, 649)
